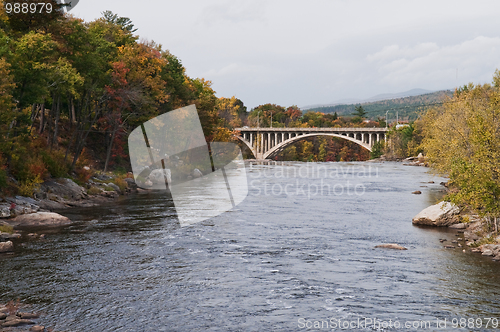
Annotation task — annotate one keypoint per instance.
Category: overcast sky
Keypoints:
(292, 52)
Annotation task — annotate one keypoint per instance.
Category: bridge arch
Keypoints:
(281, 146)
(272, 152)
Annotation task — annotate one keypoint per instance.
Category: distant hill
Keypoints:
(407, 107)
(385, 96)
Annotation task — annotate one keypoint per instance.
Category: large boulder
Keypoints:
(8, 236)
(6, 246)
(441, 214)
(4, 210)
(158, 176)
(131, 183)
(15, 206)
(114, 186)
(64, 188)
(40, 219)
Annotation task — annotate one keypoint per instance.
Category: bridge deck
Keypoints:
(312, 130)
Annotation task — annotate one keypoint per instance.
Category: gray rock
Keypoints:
(459, 226)
(495, 248)
(474, 231)
(441, 214)
(40, 219)
(114, 186)
(157, 176)
(52, 205)
(24, 209)
(8, 236)
(197, 173)
(17, 322)
(103, 177)
(487, 252)
(25, 200)
(109, 194)
(391, 246)
(27, 315)
(131, 183)
(64, 188)
(6, 246)
(4, 210)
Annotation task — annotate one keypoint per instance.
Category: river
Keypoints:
(287, 258)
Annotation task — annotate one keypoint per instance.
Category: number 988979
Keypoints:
(25, 8)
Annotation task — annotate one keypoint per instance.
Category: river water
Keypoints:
(291, 256)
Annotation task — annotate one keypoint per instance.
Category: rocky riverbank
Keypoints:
(473, 233)
(20, 214)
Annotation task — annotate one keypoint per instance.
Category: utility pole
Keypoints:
(397, 118)
(386, 118)
(271, 119)
(259, 143)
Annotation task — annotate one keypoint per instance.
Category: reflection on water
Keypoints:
(277, 258)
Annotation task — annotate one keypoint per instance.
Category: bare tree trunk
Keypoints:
(34, 114)
(110, 147)
(49, 122)
(56, 122)
(42, 119)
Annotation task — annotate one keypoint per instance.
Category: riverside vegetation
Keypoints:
(461, 140)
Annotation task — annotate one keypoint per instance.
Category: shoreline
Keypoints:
(19, 214)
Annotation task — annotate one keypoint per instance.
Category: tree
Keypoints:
(359, 111)
(231, 111)
(136, 89)
(359, 114)
(125, 23)
(462, 140)
(377, 150)
(7, 115)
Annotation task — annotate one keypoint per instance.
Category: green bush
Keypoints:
(93, 191)
(377, 150)
(55, 163)
(6, 229)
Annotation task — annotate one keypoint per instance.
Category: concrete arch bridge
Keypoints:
(266, 143)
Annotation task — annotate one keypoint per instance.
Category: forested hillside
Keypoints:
(71, 91)
(408, 108)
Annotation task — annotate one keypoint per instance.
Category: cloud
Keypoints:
(233, 13)
(474, 59)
